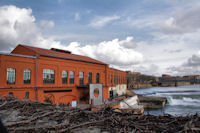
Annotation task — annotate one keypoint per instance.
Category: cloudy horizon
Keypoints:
(152, 36)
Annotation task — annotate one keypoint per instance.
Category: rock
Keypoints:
(130, 93)
(150, 102)
(10, 115)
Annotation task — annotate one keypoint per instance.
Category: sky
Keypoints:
(153, 37)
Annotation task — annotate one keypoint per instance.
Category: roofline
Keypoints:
(72, 59)
(27, 47)
(18, 55)
(116, 69)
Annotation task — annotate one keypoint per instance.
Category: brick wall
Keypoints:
(57, 91)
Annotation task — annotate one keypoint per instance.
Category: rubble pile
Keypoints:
(31, 116)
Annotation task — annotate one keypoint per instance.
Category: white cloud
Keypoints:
(112, 52)
(99, 22)
(167, 50)
(193, 61)
(77, 17)
(144, 21)
(164, 52)
(47, 23)
(18, 27)
(128, 43)
(173, 40)
(191, 66)
(184, 21)
(148, 68)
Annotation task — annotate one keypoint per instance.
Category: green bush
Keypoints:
(48, 100)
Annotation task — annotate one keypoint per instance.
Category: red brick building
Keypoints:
(42, 74)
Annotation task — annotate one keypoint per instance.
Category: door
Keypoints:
(96, 93)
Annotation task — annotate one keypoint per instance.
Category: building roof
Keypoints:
(114, 69)
(56, 53)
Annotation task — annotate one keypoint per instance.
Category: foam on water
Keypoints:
(181, 100)
(184, 101)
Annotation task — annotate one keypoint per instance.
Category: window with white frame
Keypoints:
(81, 78)
(10, 76)
(64, 77)
(27, 76)
(48, 76)
(71, 77)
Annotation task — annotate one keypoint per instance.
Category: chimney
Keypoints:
(60, 50)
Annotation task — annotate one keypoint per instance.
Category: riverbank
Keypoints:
(141, 85)
(149, 102)
(182, 100)
(31, 116)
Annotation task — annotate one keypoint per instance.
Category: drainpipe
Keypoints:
(36, 91)
(106, 81)
(106, 76)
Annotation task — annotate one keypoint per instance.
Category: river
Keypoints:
(183, 100)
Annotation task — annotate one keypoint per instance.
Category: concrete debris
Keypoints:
(150, 102)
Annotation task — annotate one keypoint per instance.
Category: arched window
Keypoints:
(48, 76)
(97, 77)
(81, 78)
(89, 78)
(10, 76)
(111, 79)
(71, 77)
(64, 77)
(27, 76)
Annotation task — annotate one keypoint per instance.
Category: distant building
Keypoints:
(56, 75)
(136, 80)
(166, 76)
(167, 80)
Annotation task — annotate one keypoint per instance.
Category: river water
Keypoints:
(183, 100)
